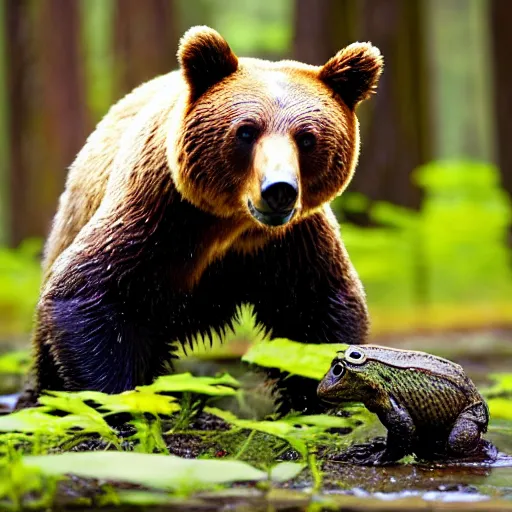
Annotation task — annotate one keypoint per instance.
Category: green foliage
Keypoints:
(465, 217)
(65, 419)
(141, 400)
(20, 275)
(25, 488)
(300, 432)
(78, 418)
(99, 59)
(499, 396)
(245, 332)
(214, 386)
(150, 470)
(14, 363)
(450, 256)
(307, 360)
(268, 33)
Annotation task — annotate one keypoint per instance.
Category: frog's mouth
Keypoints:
(329, 402)
(328, 387)
(324, 391)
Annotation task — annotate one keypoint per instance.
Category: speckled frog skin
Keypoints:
(428, 404)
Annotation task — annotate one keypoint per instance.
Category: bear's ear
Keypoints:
(206, 58)
(353, 72)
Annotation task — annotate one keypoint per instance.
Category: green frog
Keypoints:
(428, 404)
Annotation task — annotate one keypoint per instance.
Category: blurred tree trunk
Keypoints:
(312, 42)
(16, 30)
(47, 108)
(501, 15)
(395, 123)
(64, 116)
(146, 40)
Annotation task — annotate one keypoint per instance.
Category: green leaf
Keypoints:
(285, 471)
(156, 471)
(38, 421)
(307, 360)
(186, 382)
(29, 420)
(134, 402)
(79, 415)
(325, 421)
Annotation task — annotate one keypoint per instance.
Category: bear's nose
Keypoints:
(279, 196)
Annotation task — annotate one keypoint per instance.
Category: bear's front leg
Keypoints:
(94, 328)
(304, 288)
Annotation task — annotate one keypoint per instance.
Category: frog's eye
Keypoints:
(355, 356)
(338, 370)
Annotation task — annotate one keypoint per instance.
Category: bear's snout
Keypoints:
(279, 196)
(277, 200)
(276, 189)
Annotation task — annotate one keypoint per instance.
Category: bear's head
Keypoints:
(269, 142)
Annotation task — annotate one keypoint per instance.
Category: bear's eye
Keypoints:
(306, 141)
(247, 133)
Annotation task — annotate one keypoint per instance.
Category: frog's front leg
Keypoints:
(401, 432)
(464, 437)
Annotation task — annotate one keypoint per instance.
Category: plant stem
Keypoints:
(245, 445)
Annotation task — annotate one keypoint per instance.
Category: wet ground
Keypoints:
(411, 486)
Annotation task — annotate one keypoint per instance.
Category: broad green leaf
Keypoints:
(38, 421)
(134, 402)
(286, 471)
(80, 414)
(156, 471)
(186, 382)
(307, 360)
(30, 420)
(325, 421)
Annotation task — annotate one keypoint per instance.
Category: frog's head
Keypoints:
(348, 378)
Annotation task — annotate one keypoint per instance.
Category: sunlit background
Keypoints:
(426, 219)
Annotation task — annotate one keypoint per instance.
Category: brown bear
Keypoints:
(201, 190)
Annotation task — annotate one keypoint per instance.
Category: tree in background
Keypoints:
(50, 108)
(146, 39)
(501, 14)
(395, 124)
(47, 114)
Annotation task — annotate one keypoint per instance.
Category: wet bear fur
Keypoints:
(154, 240)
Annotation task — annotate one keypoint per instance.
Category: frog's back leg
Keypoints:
(465, 435)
